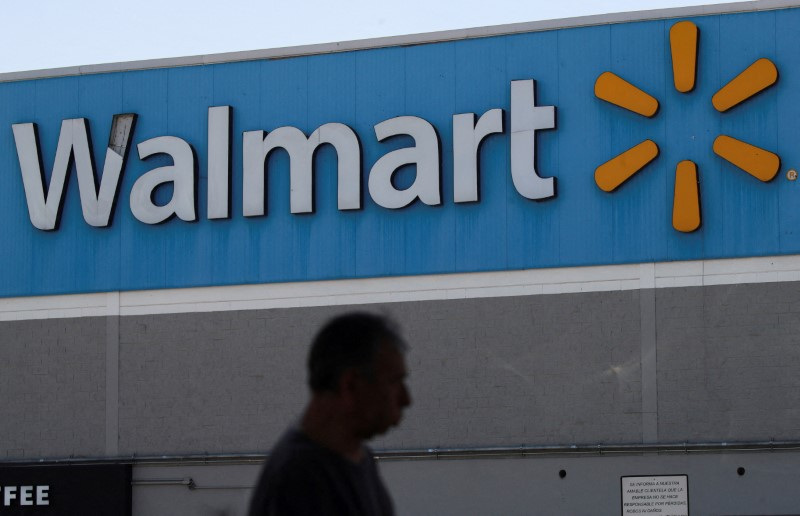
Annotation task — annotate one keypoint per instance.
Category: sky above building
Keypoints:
(53, 33)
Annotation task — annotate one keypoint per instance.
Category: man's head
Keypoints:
(358, 357)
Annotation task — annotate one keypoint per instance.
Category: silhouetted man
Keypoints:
(356, 372)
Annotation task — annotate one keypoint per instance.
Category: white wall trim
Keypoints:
(408, 288)
(412, 39)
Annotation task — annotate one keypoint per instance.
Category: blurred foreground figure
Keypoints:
(356, 372)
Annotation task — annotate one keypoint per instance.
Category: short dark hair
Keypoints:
(352, 340)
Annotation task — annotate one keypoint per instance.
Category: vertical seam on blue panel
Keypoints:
(667, 211)
(254, 229)
(314, 184)
(454, 265)
(117, 213)
(166, 94)
(362, 193)
(506, 201)
(558, 146)
(405, 79)
(404, 222)
(777, 137)
(169, 131)
(611, 139)
(719, 129)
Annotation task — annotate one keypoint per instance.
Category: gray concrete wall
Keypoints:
(710, 363)
(52, 388)
(538, 369)
(216, 382)
(729, 362)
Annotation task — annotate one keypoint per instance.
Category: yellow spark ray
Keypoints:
(611, 174)
(757, 162)
(755, 78)
(616, 90)
(686, 199)
(683, 45)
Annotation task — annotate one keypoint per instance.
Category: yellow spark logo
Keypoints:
(759, 163)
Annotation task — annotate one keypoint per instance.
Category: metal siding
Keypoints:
(750, 206)
(235, 254)
(481, 227)
(430, 230)
(581, 226)
(692, 126)
(332, 98)
(187, 258)
(282, 237)
(639, 208)
(63, 256)
(380, 94)
(143, 249)
(228, 243)
(17, 104)
(787, 34)
(583, 211)
(532, 227)
(102, 92)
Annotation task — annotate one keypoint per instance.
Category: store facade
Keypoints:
(586, 228)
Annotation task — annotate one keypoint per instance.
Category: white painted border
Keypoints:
(407, 288)
(412, 39)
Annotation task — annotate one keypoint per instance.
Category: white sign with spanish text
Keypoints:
(662, 495)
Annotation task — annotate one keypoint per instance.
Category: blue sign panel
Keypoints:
(393, 112)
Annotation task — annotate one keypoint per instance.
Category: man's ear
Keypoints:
(349, 383)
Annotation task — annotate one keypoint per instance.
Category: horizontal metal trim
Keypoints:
(188, 482)
(586, 449)
(475, 285)
(146, 460)
(430, 454)
(405, 40)
(185, 481)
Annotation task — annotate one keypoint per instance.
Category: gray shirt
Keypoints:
(302, 477)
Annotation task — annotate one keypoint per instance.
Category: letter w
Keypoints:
(45, 203)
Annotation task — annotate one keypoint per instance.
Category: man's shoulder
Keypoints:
(298, 461)
(300, 477)
(295, 450)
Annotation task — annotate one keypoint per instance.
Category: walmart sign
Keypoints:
(674, 140)
(97, 202)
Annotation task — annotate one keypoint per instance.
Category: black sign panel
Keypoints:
(65, 490)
